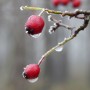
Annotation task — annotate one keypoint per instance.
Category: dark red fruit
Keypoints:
(31, 71)
(76, 3)
(65, 2)
(34, 25)
(56, 2)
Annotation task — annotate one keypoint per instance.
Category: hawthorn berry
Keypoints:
(31, 72)
(56, 2)
(65, 2)
(76, 3)
(34, 25)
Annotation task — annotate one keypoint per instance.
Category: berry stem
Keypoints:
(41, 60)
(41, 12)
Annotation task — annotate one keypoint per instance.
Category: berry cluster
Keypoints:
(33, 26)
(75, 3)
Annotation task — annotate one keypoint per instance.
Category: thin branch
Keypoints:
(71, 14)
(74, 14)
(86, 21)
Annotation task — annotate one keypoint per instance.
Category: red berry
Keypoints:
(76, 3)
(31, 71)
(56, 2)
(65, 2)
(34, 24)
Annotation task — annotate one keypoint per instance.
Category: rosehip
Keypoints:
(31, 72)
(65, 2)
(34, 25)
(76, 3)
(56, 2)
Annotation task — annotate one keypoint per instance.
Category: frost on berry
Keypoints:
(54, 27)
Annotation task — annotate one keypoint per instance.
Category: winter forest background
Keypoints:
(68, 70)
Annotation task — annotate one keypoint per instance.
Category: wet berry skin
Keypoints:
(34, 24)
(56, 2)
(76, 3)
(31, 71)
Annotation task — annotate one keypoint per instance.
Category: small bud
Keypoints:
(21, 8)
(51, 30)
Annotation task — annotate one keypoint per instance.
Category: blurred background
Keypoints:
(66, 70)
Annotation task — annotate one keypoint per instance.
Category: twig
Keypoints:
(86, 21)
(71, 14)
(57, 24)
(76, 13)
